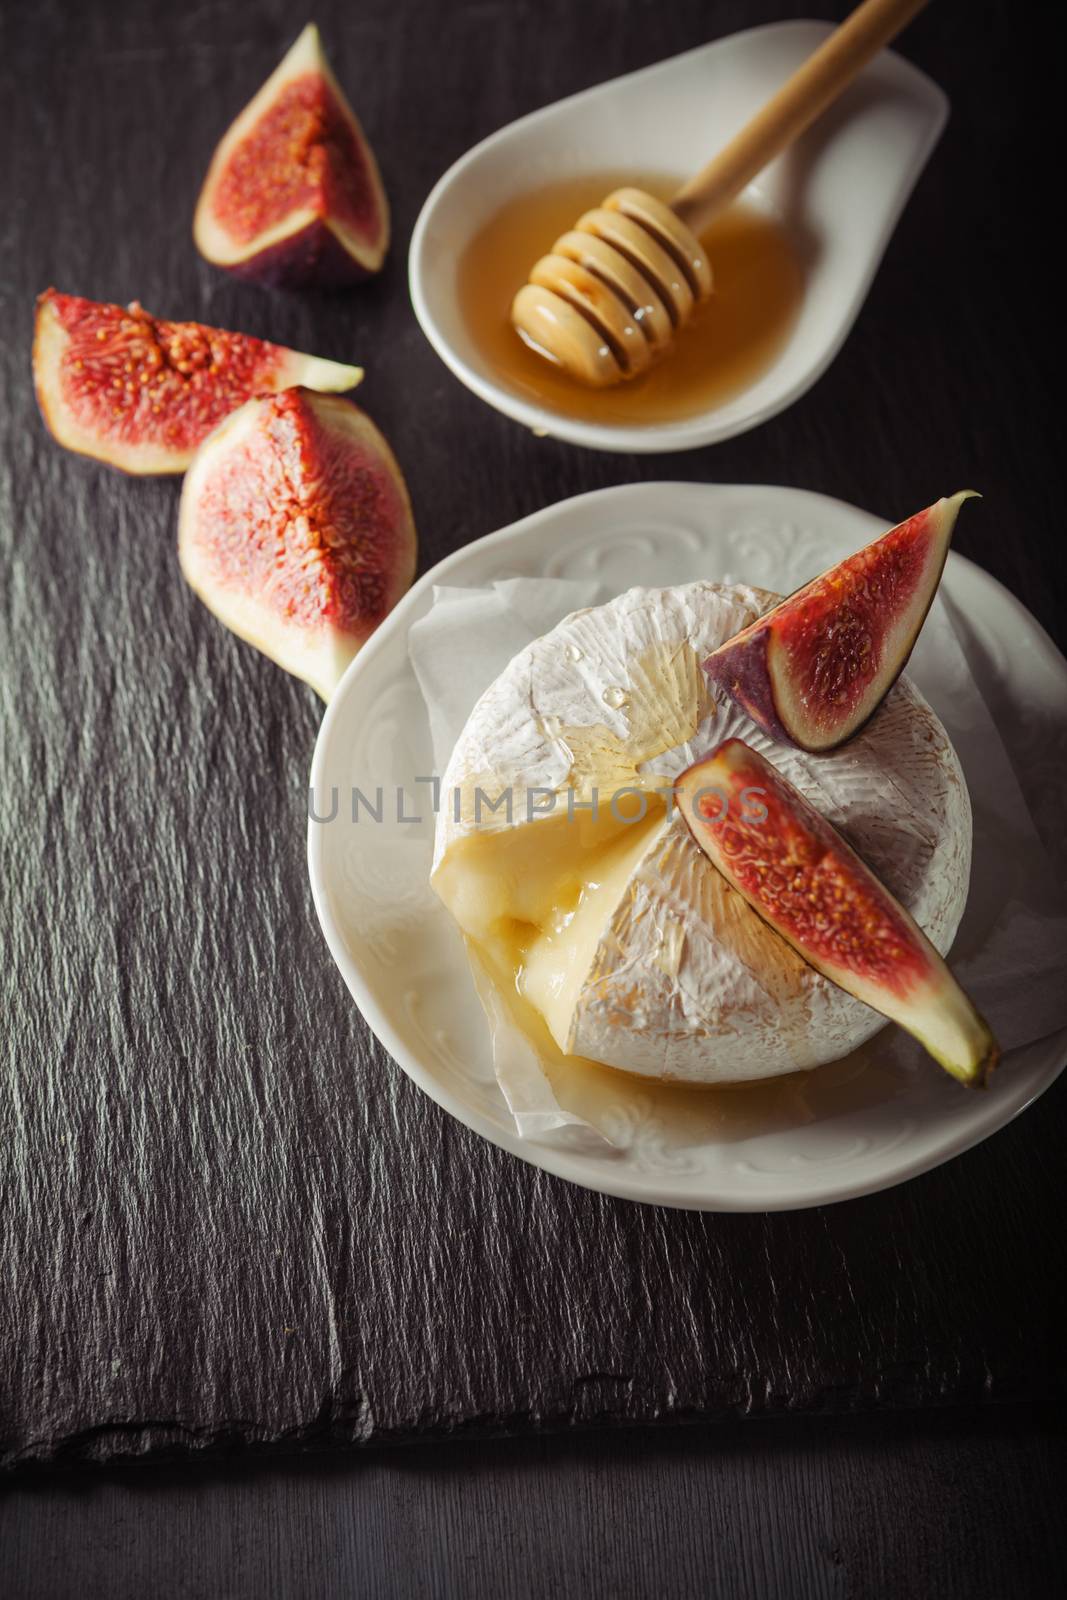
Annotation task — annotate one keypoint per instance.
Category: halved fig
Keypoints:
(295, 529)
(799, 874)
(812, 670)
(293, 196)
(142, 394)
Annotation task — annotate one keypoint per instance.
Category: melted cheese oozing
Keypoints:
(535, 901)
(555, 962)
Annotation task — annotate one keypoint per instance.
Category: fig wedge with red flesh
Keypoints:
(816, 667)
(799, 874)
(141, 393)
(293, 196)
(295, 529)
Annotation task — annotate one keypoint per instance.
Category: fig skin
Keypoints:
(798, 873)
(310, 259)
(319, 152)
(141, 393)
(844, 631)
(295, 529)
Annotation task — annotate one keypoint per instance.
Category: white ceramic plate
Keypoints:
(839, 191)
(802, 1141)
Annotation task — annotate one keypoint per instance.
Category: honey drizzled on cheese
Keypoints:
(662, 695)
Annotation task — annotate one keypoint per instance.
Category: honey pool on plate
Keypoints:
(722, 349)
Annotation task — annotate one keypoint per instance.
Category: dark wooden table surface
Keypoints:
(261, 1303)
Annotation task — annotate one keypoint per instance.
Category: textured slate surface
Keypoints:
(226, 1215)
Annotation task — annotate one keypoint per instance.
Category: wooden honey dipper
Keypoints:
(610, 296)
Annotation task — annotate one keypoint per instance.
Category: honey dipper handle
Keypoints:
(839, 59)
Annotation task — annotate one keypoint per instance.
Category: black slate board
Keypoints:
(227, 1218)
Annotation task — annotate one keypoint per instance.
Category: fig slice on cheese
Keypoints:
(816, 667)
(793, 867)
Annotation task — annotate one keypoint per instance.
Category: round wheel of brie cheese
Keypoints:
(584, 898)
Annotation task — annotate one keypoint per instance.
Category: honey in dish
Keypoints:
(726, 344)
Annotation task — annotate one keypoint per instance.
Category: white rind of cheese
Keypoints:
(623, 936)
